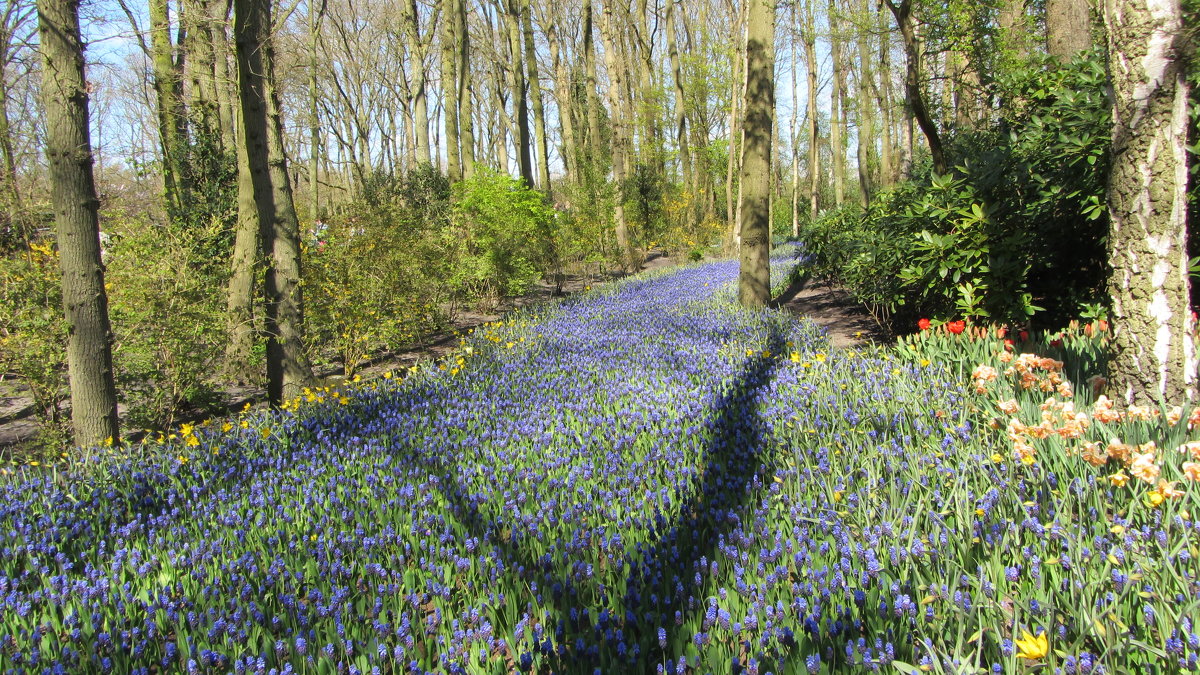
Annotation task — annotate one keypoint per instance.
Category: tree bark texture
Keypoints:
(449, 87)
(754, 276)
(616, 81)
(172, 121)
(73, 193)
(517, 83)
(1153, 327)
(1068, 28)
(288, 370)
(535, 96)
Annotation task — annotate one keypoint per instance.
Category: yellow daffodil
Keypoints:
(1118, 479)
(1030, 647)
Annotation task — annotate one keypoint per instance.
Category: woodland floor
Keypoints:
(847, 323)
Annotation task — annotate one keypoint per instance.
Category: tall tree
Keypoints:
(418, 48)
(449, 88)
(15, 21)
(620, 129)
(903, 13)
(808, 34)
(239, 308)
(1153, 329)
(535, 97)
(1068, 27)
(754, 276)
(288, 369)
(76, 216)
(517, 83)
(837, 107)
(172, 118)
(466, 122)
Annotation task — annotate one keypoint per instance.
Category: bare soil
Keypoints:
(847, 323)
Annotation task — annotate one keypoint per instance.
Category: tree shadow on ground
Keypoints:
(635, 628)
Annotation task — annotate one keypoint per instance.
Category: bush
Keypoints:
(33, 334)
(1017, 229)
(374, 277)
(500, 237)
(167, 307)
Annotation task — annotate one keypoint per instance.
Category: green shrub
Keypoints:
(167, 307)
(1016, 229)
(499, 239)
(33, 334)
(375, 279)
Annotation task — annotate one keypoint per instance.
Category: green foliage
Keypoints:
(167, 305)
(499, 239)
(1017, 229)
(374, 276)
(644, 195)
(33, 334)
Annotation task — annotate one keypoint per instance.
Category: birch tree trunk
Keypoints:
(1153, 327)
(76, 217)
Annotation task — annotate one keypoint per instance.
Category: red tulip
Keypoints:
(923, 324)
(956, 327)
(1024, 335)
(1056, 342)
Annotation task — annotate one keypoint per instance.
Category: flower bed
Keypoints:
(642, 478)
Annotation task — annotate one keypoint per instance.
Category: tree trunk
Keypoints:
(224, 77)
(809, 36)
(73, 194)
(1153, 327)
(1014, 28)
(754, 277)
(466, 122)
(512, 20)
(563, 91)
(837, 110)
(288, 370)
(1068, 28)
(535, 95)
(681, 131)
(417, 49)
(616, 81)
(593, 98)
(794, 137)
(449, 88)
(733, 161)
(866, 113)
(887, 103)
(912, 82)
(172, 126)
(240, 296)
(314, 119)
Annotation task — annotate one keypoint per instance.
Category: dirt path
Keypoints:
(848, 325)
(846, 321)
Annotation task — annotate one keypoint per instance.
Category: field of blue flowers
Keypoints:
(642, 479)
